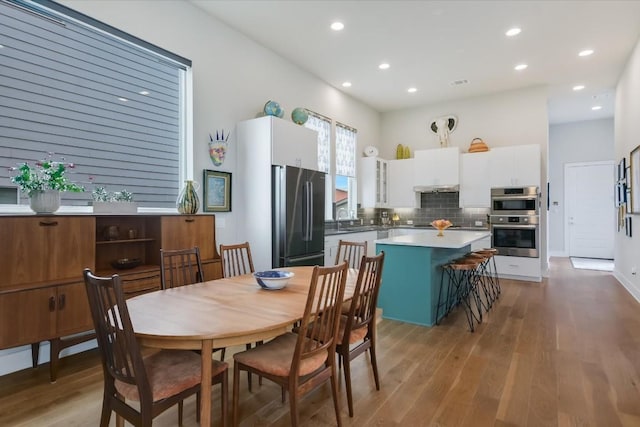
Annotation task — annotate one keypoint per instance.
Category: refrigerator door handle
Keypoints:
(310, 211)
(306, 232)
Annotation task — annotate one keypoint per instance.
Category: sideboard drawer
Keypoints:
(139, 283)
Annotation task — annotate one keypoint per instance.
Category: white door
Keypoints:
(590, 213)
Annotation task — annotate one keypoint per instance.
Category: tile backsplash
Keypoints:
(432, 206)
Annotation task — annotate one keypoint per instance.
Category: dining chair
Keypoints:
(157, 381)
(352, 252)
(236, 259)
(180, 267)
(300, 362)
(357, 330)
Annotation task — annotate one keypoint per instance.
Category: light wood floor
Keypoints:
(565, 352)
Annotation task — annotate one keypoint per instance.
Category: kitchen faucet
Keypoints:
(340, 211)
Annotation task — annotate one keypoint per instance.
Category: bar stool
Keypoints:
(461, 288)
(484, 278)
(491, 269)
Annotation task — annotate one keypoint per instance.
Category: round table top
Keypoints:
(228, 311)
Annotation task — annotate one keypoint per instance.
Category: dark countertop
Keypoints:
(364, 228)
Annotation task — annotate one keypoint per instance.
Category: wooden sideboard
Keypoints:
(42, 294)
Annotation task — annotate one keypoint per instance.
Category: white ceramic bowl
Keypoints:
(272, 279)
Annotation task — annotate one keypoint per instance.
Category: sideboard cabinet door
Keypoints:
(27, 316)
(73, 314)
(45, 248)
(187, 231)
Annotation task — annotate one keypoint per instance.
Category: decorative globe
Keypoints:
(272, 108)
(299, 116)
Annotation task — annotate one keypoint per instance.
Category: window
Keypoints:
(341, 203)
(322, 125)
(345, 203)
(110, 103)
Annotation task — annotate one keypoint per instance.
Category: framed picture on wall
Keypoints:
(634, 175)
(622, 169)
(217, 191)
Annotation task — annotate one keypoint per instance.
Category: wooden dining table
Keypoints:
(221, 313)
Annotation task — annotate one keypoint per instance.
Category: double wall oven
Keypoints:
(514, 220)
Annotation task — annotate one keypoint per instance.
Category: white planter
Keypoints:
(44, 202)
(115, 207)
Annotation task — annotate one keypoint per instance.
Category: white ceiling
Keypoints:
(429, 44)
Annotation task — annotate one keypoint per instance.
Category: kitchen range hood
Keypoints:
(436, 188)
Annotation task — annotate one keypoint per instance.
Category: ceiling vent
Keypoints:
(459, 82)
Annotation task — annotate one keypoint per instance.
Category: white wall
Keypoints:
(576, 142)
(503, 119)
(233, 77)
(627, 137)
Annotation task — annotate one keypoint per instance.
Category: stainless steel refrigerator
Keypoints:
(298, 216)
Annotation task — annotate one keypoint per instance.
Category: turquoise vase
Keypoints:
(188, 202)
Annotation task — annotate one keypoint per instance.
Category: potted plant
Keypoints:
(113, 202)
(43, 182)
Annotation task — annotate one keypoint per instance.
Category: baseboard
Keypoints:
(560, 254)
(19, 358)
(633, 290)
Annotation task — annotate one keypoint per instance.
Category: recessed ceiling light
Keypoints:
(513, 32)
(337, 26)
(412, 90)
(144, 92)
(596, 107)
(122, 99)
(578, 87)
(346, 84)
(384, 66)
(520, 67)
(1, 46)
(459, 82)
(585, 52)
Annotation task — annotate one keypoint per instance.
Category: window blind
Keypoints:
(110, 105)
(346, 142)
(322, 125)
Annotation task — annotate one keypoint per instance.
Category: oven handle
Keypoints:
(514, 197)
(514, 226)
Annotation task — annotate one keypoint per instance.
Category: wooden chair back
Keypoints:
(365, 297)
(352, 252)
(119, 350)
(319, 325)
(359, 334)
(236, 259)
(180, 267)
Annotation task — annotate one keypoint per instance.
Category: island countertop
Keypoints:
(454, 239)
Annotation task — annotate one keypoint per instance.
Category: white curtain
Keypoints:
(346, 142)
(323, 126)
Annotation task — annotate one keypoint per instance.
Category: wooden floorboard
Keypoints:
(564, 352)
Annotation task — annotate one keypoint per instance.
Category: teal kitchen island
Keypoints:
(411, 275)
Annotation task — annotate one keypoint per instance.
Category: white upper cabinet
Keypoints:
(401, 194)
(517, 165)
(436, 167)
(475, 186)
(373, 182)
(287, 143)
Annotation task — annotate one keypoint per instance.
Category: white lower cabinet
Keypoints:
(330, 249)
(331, 244)
(519, 268)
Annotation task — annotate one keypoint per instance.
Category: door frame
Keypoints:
(567, 240)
